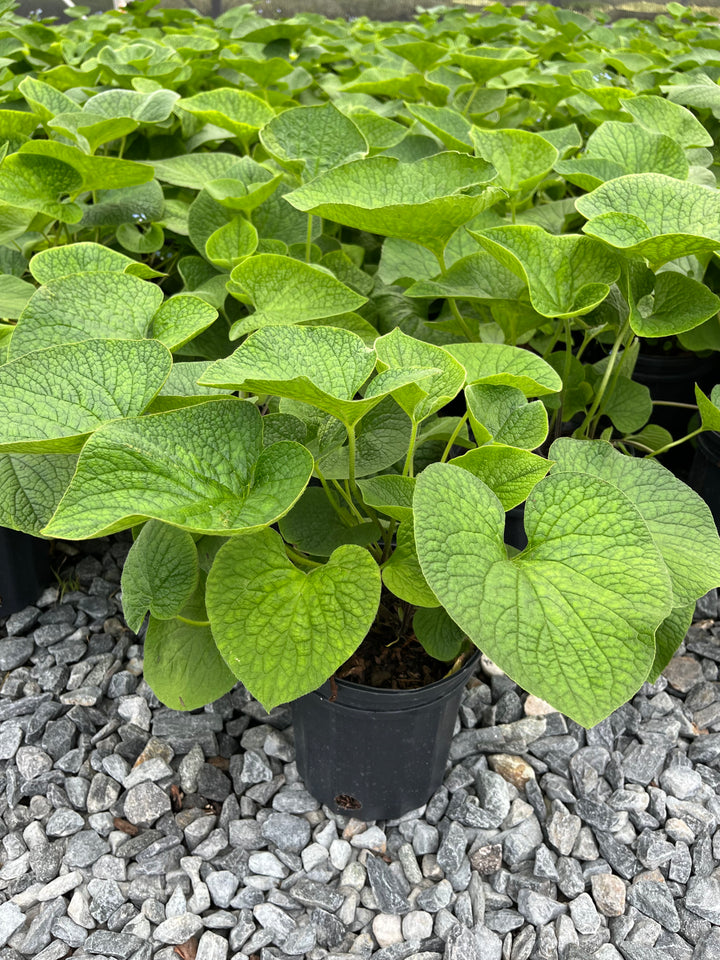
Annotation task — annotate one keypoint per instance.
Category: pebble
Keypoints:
(608, 892)
(180, 929)
(387, 929)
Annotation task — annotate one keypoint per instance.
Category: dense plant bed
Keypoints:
(308, 306)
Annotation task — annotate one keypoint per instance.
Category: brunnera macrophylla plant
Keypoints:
(281, 494)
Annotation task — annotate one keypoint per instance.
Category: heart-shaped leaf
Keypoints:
(566, 275)
(509, 472)
(163, 467)
(479, 276)
(503, 415)
(194, 170)
(232, 244)
(84, 307)
(152, 107)
(502, 364)
(310, 140)
(636, 149)
(653, 216)
(53, 399)
(159, 575)
(483, 63)
(709, 408)
(91, 130)
(522, 159)
(45, 100)
(96, 173)
(56, 262)
(314, 526)
(41, 184)
(425, 201)
(31, 487)
(628, 404)
(391, 495)
(14, 295)
(664, 116)
(286, 291)
(239, 112)
(181, 660)
(440, 636)
(180, 319)
(402, 575)
(420, 400)
(679, 304)
(450, 126)
(583, 604)
(281, 631)
(679, 521)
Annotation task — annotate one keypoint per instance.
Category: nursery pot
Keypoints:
(705, 472)
(375, 753)
(24, 569)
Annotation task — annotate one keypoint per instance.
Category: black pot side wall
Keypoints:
(24, 570)
(705, 472)
(376, 754)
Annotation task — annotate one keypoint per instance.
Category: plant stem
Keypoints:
(387, 541)
(672, 403)
(193, 623)
(675, 443)
(300, 558)
(409, 469)
(452, 303)
(472, 96)
(566, 376)
(453, 437)
(587, 422)
(331, 496)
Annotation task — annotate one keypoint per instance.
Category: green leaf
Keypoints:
(679, 521)
(571, 618)
(314, 527)
(232, 244)
(84, 307)
(182, 381)
(153, 107)
(286, 291)
(679, 304)
(503, 415)
(383, 437)
(402, 575)
(310, 140)
(664, 116)
(159, 575)
(96, 173)
(653, 216)
(502, 364)
(425, 201)
(281, 631)
(91, 130)
(567, 276)
(479, 276)
(509, 472)
(668, 637)
(391, 495)
(483, 63)
(628, 404)
(41, 184)
(449, 126)
(205, 217)
(194, 170)
(322, 366)
(140, 238)
(440, 636)
(239, 112)
(45, 100)
(14, 294)
(420, 400)
(589, 172)
(136, 206)
(53, 399)
(31, 487)
(636, 149)
(522, 159)
(243, 189)
(56, 262)
(181, 318)
(164, 467)
(709, 408)
(182, 665)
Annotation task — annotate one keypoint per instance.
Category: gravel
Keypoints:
(128, 830)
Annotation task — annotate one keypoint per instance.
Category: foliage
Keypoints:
(440, 246)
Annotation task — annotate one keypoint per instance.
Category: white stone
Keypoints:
(212, 947)
(371, 839)
(11, 919)
(340, 854)
(60, 886)
(417, 925)
(387, 929)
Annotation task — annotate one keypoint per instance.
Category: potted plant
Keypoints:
(286, 535)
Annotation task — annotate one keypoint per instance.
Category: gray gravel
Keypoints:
(129, 831)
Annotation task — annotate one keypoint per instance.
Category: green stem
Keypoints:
(351, 458)
(553, 341)
(387, 542)
(672, 403)
(329, 493)
(299, 558)
(585, 428)
(472, 96)
(193, 623)
(453, 437)
(452, 303)
(675, 443)
(409, 469)
(566, 376)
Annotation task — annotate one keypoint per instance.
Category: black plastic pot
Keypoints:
(24, 569)
(373, 753)
(705, 472)
(515, 527)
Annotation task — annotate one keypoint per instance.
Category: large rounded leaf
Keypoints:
(500, 363)
(281, 631)
(311, 140)
(53, 399)
(572, 618)
(202, 468)
(239, 112)
(31, 487)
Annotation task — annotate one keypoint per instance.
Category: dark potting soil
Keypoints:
(382, 661)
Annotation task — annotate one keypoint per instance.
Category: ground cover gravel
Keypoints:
(133, 832)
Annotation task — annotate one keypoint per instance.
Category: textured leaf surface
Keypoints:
(678, 519)
(53, 399)
(281, 631)
(479, 276)
(389, 494)
(86, 307)
(239, 112)
(668, 637)
(311, 140)
(201, 468)
(440, 636)
(181, 318)
(314, 527)
(570, 619)
(56, 262)
(679, 304)
(500, 363)
(521, 158)
(96, 173)
(709, 408)
(232, 243)
(31, 487)
(502, 414)
(664, 116)
(14, 294)
(286, 291)
(402, 574)
(182, 662)
(566, 275)
(425, 201)
(194, 170)
(159, 575)
(509, 472)
(636, 149)
(653, 216)
(41, 184)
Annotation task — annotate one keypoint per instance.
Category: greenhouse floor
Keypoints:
(132, 831)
